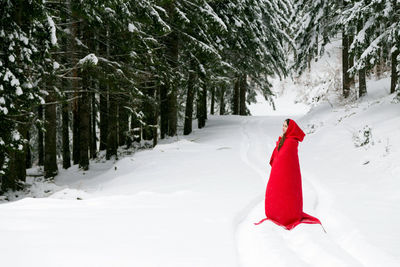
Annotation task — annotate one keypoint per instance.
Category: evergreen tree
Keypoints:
(25, 37)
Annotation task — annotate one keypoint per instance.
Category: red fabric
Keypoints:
(283, 197)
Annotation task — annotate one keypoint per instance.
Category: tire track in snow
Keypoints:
(259, 248)
(349, 239)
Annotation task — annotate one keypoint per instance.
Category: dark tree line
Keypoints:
(81, 78)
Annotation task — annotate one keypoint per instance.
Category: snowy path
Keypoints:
(262, 245)
(346, 243)
(192, 203)
(269, 245)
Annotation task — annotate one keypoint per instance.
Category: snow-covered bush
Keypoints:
(363, 138)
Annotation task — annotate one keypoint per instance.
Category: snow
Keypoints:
(238, 23)
(182, 15)
(24, 39)
(192, 200)
(52, 26)
(18, 91)
(56, 65)
(132, 27)
(15, 135)
(91, 58)
(284, 103)
(109, 10)
(4, 110)
(8, 75)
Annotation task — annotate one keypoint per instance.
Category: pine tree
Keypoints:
(24, 41)
(379, 31)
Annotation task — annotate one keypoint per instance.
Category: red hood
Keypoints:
(294, 131)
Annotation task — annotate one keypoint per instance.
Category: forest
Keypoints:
(82, 77)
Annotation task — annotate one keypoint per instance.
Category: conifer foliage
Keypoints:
(80, 77)
(369, 32)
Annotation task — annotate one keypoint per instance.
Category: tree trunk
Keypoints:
(173, 112)
(103, 117)
(172, 51)
(164, 110)
(28, 152)
(65, 136)
(112, 138)
(204, 106)
(153, 117)
(394, 82)
(187, 129)
(66, 45)
(50, 147)
(84, 126)
(123, 121)
(380, 61)
(40, 137)
(16, 175)
(155, 128)
(362, 85)
(198, 108)
(9, 178)
(243, 88)
(212, 100)
(135, 128)
(201, 106)
(222, 101)
(149, 111)
(93, 135)
(351, 61)
(345, 65)
(75, 130)
(379, 67)
(75, 85)
(20, 156)
(236, 96)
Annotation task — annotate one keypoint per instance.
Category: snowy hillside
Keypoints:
(350, 175)
(350, 181)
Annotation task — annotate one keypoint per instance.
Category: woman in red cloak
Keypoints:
(283, 197)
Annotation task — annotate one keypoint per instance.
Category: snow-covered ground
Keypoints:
(351, 181)
(178, 204)
(192, 200)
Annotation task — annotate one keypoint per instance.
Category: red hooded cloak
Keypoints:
(283, 197)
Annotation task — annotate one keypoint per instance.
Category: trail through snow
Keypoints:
(262, 245)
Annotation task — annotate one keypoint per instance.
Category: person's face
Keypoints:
(284, 128)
